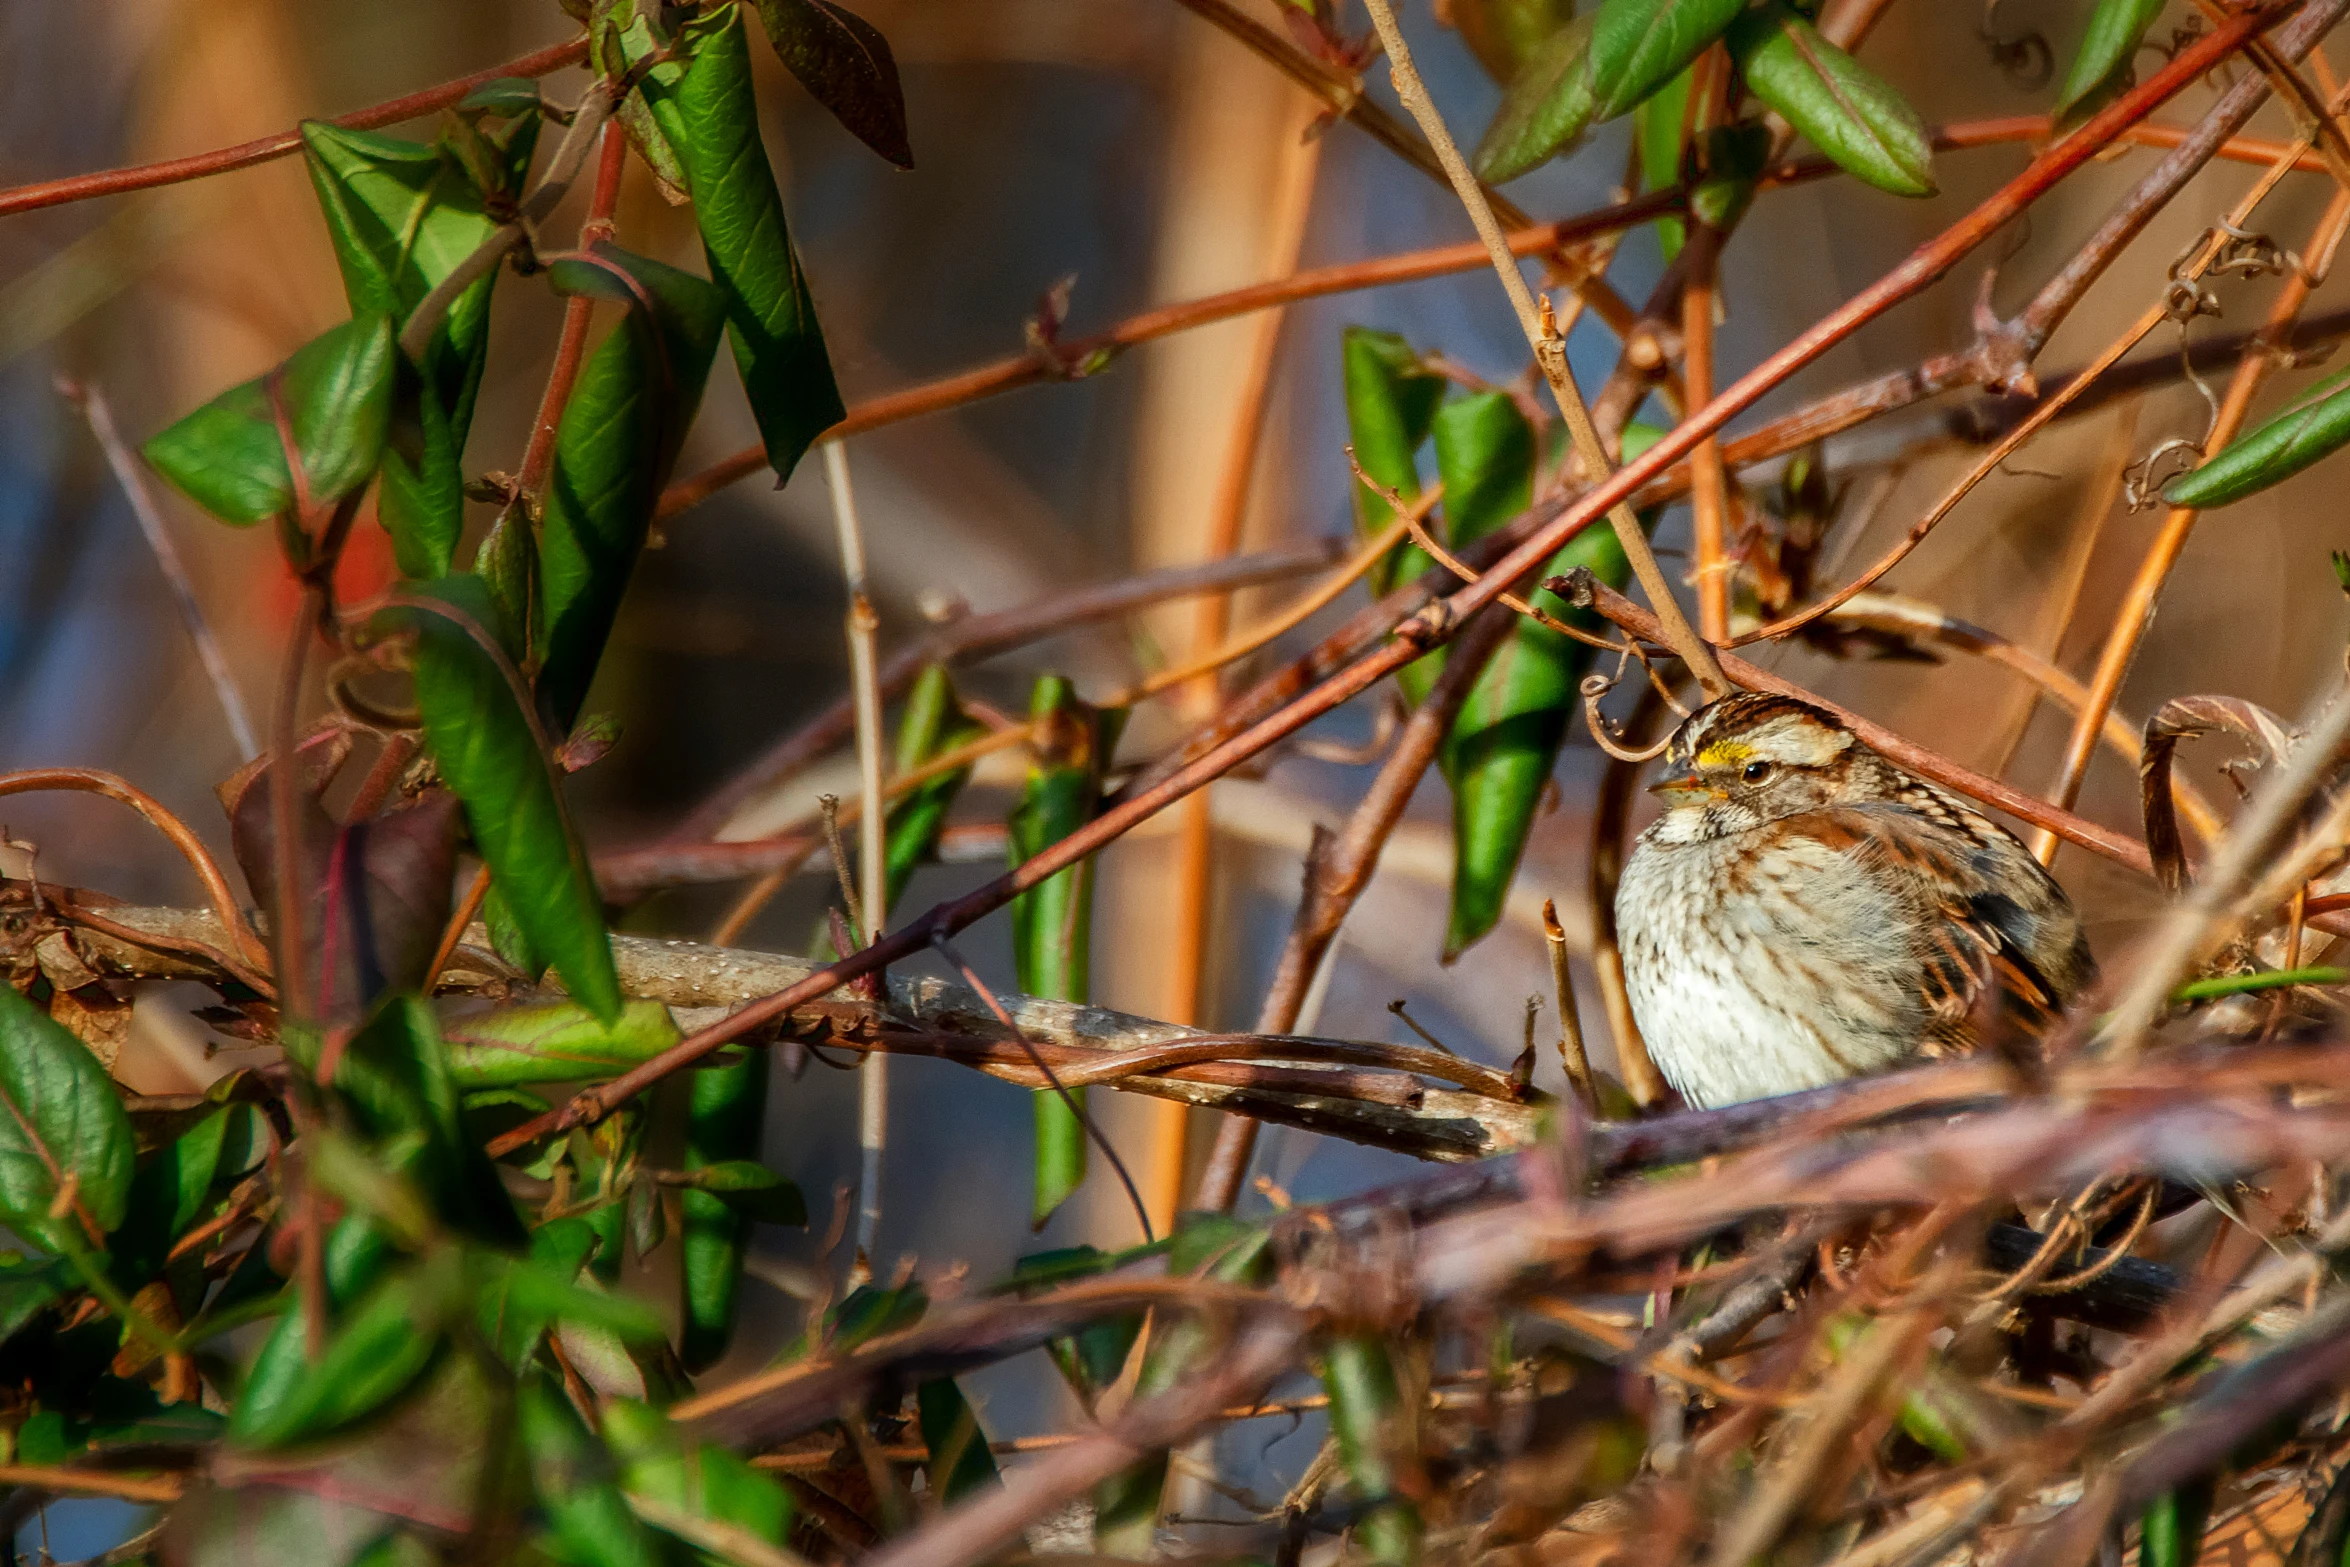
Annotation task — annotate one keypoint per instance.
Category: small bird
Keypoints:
(1805, 911)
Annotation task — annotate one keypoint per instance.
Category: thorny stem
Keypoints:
(173, 171)
(1339, 870)
(2145, 589)
(977, 636)
(1549, 352)
(1443, 618)
(1928, 764)
(2043, 413)
(1709, 491)
(578, 312)
(1027, 369)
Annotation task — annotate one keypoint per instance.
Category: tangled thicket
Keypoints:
(2025, 1308)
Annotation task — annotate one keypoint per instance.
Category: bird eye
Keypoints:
(1756, 772)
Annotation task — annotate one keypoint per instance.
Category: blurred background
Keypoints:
(1132, 147)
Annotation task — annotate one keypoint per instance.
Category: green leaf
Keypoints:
(1501, 751)
(529, 1292)
(951, 1431)
(514, 1321)
(2314, 425)
(166, 1196)
(932, 724)
(725, 1120)
(1547, 106)
(1365, 1408)
(659, 1461)
(228, 457)
(1052, 922)
(64, 1127)
(578, 1484)
(2171, 1527)
(845, 63)
(1660, 130)
(1391, 400)
(624, 44)
(396, 1078)
(552, 1042)
(1734, 158)
(2106, 48)
(1639, 45)
(484, 737)
(1843, 108)
(619, 438)
(402, 216)
(1503, 34)
(770, 315)
(26, 1288)
(375, 1353)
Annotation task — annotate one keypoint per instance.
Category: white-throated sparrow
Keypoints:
(1805, 911)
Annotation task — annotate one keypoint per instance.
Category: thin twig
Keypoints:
(1549, 352)
(872, 827)
(135, 489)
(173, 171)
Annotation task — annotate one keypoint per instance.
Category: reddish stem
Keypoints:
(174, 171)
(612, 157)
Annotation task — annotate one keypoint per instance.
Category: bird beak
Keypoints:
(1682, 787)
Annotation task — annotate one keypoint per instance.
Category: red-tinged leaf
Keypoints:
(845, 63)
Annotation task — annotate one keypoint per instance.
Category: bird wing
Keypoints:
(1960, 893)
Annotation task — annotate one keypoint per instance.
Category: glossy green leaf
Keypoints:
(1548, 104)
(551, 1042)
(1639, 45)
(578, 1484)
(845, 64)
(725, 1121)
(484, 737)
(1660, 130)
(951, 1432)
(1503, 34)
(376, 1351)
(1365, 1410)
(508, 565)
(770, 315)
(2316, 424)
(662, 1463)
(1501, 751)
(1841, 106)
(619, 438)
(2106, 48)
(228, 457)
(548, 1291)
(932, 725)
(402, 216)
(1052, 922)
(64, 1123)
